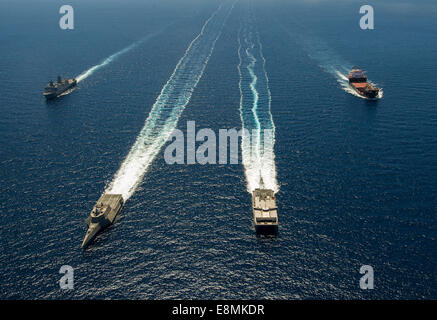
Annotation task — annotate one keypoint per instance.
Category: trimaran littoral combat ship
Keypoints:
(102, 215)
(265, 212)
(55, 89)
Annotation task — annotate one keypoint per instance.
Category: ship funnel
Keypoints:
(59, 79)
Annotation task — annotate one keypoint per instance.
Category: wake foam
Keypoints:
(329, 61)
(114, 56)
(255, 101)
(168, 107)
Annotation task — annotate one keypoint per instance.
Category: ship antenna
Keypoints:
(261, 183)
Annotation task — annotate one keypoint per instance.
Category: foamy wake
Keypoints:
(329, 61)
(165, 113)
(114, 56)
(255, 101)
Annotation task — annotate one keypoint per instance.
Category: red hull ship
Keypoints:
(358, 81)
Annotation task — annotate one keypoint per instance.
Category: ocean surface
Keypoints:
(356, 180)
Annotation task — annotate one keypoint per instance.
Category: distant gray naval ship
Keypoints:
(265, 212)
(102, 215)
(54, 89)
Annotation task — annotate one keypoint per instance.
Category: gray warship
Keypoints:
(54, 89)
(102, 215)
(265, 212)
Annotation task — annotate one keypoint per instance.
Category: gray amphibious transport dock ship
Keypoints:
(102, 215)
(54, 89)
(265, 212)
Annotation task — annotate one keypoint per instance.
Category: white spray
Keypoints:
(169, 105)
(114, 56)
(255, 101)
(328, 60)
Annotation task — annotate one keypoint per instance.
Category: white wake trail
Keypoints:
(114, 56)
(168, 107)
(327, 59)
(255, 102)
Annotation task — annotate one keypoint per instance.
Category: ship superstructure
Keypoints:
(265, 212)
(358, 81)
(55, 89)
(102, 215)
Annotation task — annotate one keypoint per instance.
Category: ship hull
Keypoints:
(265, 214)
(50, 96)
(358, 81)
(91, 234)
(366, 94)
(270, 230)
(111, 204)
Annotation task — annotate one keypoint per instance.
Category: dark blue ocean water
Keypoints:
(357, 178)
